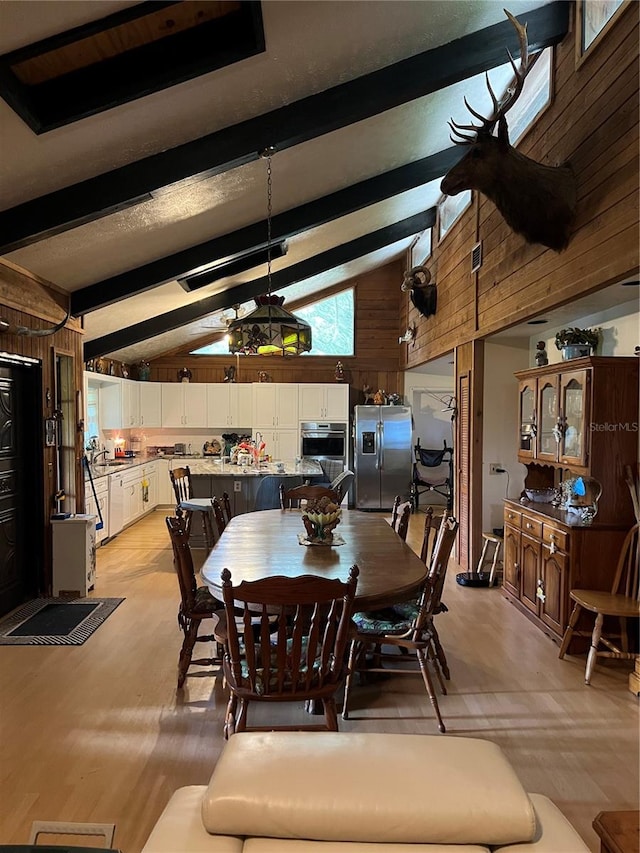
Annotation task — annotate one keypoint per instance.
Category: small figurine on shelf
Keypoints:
(339, 372)
(144, 371)
(112, 369)
(263, 376)
(230, 373)
(184, 375)
(124, 370)
(541, 354)
(367, 390)
(380, 398)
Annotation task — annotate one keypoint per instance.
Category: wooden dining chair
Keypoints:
(300, 656)
(219, 514)
(183, 490)
(226, 506)
(622, 603)
(400, 517)
(290, 498)
(413, 630)
(196, 602)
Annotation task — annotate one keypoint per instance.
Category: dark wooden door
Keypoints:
(21, 535)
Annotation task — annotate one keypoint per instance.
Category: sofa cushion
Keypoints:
(367, 787)
(179, 827)
(554, 833)
(294, 845)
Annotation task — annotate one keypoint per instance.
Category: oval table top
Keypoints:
(265, 543)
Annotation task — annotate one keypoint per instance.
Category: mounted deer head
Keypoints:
(537, 201)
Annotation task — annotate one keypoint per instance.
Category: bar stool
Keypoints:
(496, 541)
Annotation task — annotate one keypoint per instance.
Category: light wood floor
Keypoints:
(98, 733)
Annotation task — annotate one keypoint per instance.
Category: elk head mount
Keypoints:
(536, 201)
(423, 294)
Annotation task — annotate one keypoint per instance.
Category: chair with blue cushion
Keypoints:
(268, 494)
(299, 657)
(406, 626)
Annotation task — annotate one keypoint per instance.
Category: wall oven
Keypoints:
(324, 441)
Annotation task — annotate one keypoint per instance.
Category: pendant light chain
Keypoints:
(267, 153)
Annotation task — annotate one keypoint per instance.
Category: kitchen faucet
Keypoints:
(96, 454)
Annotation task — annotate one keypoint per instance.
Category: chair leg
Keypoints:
(190, 634)
(230, 717)
(330, 713)
(241, 721)
(422, 660)
(624, 637)
(593, 651)
(568, 634)
(431, 655)
(442, 658)
(350, 674)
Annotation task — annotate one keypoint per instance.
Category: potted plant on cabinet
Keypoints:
(576, 343)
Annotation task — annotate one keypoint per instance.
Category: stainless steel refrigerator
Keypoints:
(381, 455)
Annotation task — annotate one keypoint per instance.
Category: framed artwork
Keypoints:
(594, 18)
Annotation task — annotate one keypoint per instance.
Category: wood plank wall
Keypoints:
(377, 359)
(43, 306)
(593, 123)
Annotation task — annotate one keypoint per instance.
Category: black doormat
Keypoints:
(55, 621)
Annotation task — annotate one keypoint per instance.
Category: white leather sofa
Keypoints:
(301, 792)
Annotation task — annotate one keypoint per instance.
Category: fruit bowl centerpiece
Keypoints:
(320, 518)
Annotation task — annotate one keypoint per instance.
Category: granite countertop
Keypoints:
(212, 467)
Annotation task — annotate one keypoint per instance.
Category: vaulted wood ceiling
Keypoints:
(119, 204)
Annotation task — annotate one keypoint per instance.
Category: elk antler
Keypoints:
(500, 108)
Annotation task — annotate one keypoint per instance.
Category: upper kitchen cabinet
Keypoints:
(275, 404)
(130, 391)
(150, 404)
(110, 402)
(184, 404)
(230, 405)
(321, 402)
(585, 419)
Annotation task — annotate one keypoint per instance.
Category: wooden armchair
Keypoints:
(196, 603)
(219, 514)
(291, 498)
(623, 603)
(299, 656)
(400, 517)
(405, 626)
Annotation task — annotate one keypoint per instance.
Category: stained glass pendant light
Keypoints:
(269, 329)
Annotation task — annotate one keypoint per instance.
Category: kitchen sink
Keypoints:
(113, 463)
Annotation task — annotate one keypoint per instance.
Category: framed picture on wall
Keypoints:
(594, 18)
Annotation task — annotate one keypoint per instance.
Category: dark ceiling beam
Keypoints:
(293, 124)
(241, 293)
(253, 237)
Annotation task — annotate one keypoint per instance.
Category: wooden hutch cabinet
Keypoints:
(579, 417)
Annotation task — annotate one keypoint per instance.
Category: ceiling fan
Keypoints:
(223, 320)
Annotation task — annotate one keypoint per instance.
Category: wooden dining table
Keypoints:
(266, 543)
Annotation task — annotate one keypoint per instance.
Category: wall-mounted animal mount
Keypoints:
(537, 201)
(409, 335)
(423, 294)
(12, 329)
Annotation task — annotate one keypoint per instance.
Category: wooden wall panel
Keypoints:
(377, 360)
(593, 123)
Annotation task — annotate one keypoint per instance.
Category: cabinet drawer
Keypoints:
(531, 526)
(553, 536)
(512, 517)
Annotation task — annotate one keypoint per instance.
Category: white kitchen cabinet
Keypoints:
(184, 404)
(110, 402)
(130, 392)
(116, 503)
(275, 404)
(323, 402)
(165, 494)
(150, 404)
(101, 486)
(282, 444)
(229, 405)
